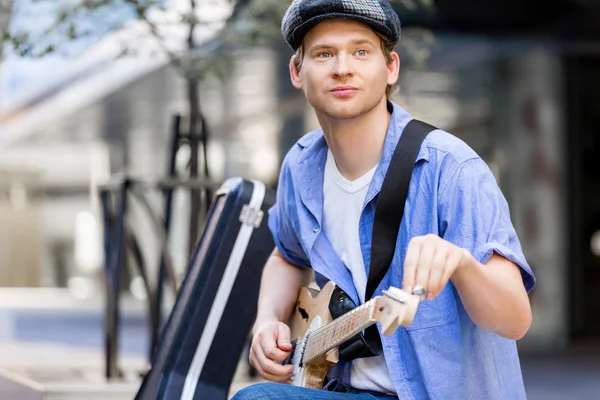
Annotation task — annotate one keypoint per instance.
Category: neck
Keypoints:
(357, 143)
(342, 329)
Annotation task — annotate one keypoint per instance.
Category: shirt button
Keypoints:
(316, 230)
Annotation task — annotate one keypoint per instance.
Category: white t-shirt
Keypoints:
(342, 206)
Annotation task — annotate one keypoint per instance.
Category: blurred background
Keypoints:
(168, 98)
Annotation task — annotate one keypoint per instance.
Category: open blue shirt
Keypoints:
(453, 194)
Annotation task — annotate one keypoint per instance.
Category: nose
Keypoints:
(342, 66)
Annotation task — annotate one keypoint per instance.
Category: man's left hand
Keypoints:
(431, 261)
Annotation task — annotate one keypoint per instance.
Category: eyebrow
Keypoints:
(329, 46)
(364, 41)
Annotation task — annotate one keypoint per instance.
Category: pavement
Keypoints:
(571, 375)
(567, 376)
(46, 340)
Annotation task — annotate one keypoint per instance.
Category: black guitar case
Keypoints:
(207, 330)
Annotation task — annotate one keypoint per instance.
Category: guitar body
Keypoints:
(311, 303)
(312, 312)
(316, 337)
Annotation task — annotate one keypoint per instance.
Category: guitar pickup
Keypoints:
(290, 358)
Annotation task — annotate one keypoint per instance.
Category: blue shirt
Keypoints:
(453, 194)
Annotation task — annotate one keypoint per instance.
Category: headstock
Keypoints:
(396, 308)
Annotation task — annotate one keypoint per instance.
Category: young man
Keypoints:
(456, 239)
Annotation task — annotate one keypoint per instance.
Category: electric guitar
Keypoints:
(317, 336)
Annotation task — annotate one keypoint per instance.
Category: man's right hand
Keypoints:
(270, 346)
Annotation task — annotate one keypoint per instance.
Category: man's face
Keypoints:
(344, 72)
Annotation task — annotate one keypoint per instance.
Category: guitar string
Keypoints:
(326, 337)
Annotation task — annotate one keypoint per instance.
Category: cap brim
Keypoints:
(302, 29)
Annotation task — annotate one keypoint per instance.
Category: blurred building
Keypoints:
(520, 92)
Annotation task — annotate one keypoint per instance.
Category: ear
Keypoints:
(393, 68)
(295, 74)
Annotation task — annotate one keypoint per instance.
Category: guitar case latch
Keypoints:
(251, 216)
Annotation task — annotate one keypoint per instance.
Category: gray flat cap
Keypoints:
(303, 15)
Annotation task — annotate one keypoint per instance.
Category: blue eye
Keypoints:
(361, 53)
(324, 55)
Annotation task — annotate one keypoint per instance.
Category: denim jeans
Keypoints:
(275, 391)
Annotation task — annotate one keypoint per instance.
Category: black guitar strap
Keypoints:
(388, 216)
(391, 200)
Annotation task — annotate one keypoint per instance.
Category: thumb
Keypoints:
(283, 337)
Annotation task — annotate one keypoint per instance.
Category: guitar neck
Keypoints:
(341, 329)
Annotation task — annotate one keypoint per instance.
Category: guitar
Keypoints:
(317, 336)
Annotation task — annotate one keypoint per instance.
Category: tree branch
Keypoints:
(173, 58)
(192, 22)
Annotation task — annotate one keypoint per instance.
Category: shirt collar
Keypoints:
(400, 118)
(312, 158)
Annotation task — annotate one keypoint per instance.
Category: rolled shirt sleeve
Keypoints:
(281, 223)
(474, 215)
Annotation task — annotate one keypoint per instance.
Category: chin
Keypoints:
(341, 111)
(345, 114)
(345, 109)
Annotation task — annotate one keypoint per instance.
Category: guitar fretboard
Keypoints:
(340, 330)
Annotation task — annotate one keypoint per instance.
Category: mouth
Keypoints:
(343, 91)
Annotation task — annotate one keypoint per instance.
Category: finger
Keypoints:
(283, 337)
(438, 267)
(270, 376)
(255, 363)
(410, 264)
(454, 258)
(252, 358)
(269, 346)
(269, 369)
(428, 251)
